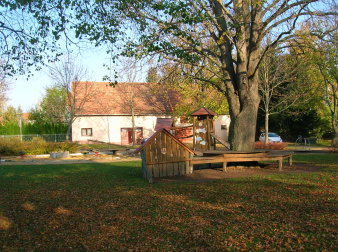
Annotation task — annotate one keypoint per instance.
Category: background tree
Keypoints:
(218, 37)
(67, 75)
(325, 58)
(52, 108)
(11, 115)
(318, 54)
(129, 71)
(3, 90)
(279, 87)
(193, 94)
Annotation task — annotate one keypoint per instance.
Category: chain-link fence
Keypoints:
(46, 137)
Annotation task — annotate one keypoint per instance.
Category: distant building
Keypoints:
(105, 113)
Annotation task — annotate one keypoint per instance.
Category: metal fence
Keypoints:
(46, 137)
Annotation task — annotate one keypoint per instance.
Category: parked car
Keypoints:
(272, 137)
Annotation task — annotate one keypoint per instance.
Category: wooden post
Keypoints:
(224, 166)
(290, 160)
(193, 134)
(208, 134)
(280, 164)
(191, 166)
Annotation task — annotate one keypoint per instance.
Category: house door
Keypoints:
(127, 135)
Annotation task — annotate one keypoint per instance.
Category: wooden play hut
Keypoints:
(163, 155)
(203, 129)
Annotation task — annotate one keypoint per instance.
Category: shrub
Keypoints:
(65, 146)
(271, 146)
(13, 146)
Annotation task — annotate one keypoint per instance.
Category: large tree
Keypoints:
(223, 38)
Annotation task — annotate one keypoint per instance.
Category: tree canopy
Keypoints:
(221, 38)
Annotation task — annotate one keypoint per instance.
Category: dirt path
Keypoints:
(236, 172)
(70, 160)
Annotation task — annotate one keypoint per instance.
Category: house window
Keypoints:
(224, 127)
(86, 132)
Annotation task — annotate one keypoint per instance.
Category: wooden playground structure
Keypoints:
(164, 155)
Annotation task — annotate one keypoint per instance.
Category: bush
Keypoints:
(270, 146)
(13, 146)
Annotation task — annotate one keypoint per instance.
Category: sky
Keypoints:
(28, 93)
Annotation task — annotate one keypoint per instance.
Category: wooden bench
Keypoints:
(113, 151)
(245, 157)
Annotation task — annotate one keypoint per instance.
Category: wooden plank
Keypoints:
(144, 165)
(225, 144)
(177, 153)
(245, 155)
(150, 159)
(170, 164)
(155, 167)
(155, 170)
(159, 155)
(187, 163)
(221, 152)
(163, 147)
(181, 164)
(173, 150)
(219, 159)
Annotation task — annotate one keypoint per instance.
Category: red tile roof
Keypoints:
(99, 98)
(25, 116)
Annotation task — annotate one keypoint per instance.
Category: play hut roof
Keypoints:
(203, 111)
(164, 123)
(150, 139)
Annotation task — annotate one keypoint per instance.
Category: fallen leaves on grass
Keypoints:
(5, 223)
(100, 211)
(63, 211)
(28, 206)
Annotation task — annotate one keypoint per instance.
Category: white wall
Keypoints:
(222, 120)
(108, 128)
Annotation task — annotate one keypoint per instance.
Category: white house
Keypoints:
(105, 113)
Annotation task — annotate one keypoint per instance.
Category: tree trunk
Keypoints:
(244, 118)
(133, 125)
(335, 129)
(266, 127)
(69, 132)
(243, 99)
(243, 128)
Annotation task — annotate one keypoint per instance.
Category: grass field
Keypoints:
(108, 207)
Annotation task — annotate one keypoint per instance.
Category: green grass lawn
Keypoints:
(109, 207)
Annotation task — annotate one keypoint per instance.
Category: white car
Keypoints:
(272, 138)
